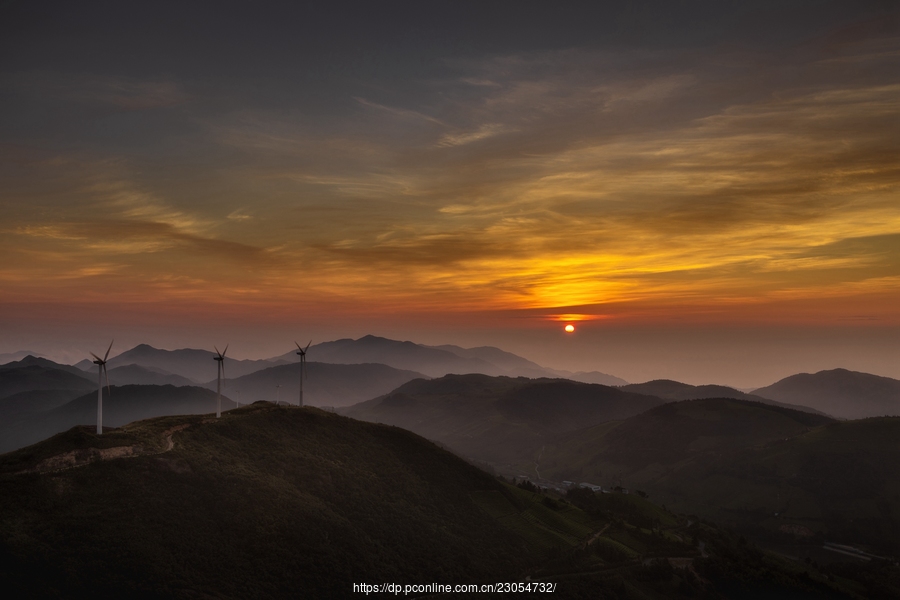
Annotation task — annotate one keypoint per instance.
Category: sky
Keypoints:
(708, 191)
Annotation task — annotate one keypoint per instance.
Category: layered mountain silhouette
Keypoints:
(33, 373)
(325, 385)
(195, 365)
(437, 361)
(675, 390)
(838, 392)
(138, 375)
(34, 416)
(431, 361)
(498, 419)
(7, 357)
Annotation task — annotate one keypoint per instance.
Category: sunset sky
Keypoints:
(709, 191)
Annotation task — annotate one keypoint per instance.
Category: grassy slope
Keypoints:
(261, 502)
(741, 463)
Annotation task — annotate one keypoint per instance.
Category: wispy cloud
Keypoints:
(557, 179)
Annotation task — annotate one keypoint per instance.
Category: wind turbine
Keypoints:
(302, 354)
(101, 369)
(220, 375)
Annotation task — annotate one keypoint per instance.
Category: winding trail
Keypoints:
(596, 535)
(170, 443)
(83, 457)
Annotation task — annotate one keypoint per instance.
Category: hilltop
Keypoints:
(839, 392)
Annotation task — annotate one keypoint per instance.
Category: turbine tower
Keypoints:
(101, 369)
(302, 353)
(220, 375)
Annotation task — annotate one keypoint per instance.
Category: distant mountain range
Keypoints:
(30, 374)
(138, 375)
(343, 372)
(433, 361)
(6, 357)
(437, 361)
(838, 392)
(196, 365)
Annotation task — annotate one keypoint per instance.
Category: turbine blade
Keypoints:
(307, 347)
(225, 350)
(298, 346)
(217, 350)
(95, 356)
(108, 388)
(105, 356)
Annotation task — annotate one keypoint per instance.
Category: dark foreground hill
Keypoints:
(839, 392)
(499, 419)
(265, 503)
(752, 465)
(271, 502)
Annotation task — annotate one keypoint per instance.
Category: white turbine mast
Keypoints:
(101, 369)
(302, 353)
(220, 376)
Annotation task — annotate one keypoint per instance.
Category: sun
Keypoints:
(570, 328)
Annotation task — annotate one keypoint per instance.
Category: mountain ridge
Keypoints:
(498, 419)
(839, 392)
